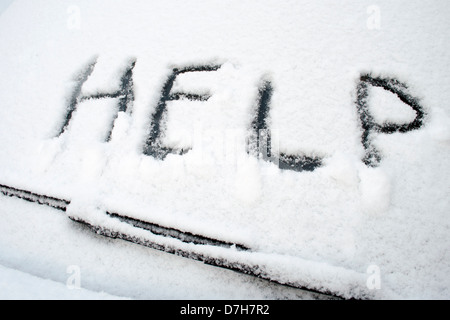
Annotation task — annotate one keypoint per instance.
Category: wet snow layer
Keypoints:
(315, 136)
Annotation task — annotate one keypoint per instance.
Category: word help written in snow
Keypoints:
(259, 142)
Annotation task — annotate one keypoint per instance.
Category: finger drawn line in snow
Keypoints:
(372, 156)
(124, 94)
(260, 141)
(154, 146)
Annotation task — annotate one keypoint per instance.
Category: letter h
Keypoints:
(124, 95)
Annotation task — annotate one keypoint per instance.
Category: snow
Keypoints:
(108, 269)
(320, 229)
(4, 5)
(19, 285)
(375, 189)
(387, 108)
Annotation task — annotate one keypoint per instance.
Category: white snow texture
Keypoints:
(323, 229)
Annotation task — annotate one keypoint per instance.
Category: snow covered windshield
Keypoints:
(305, 143)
